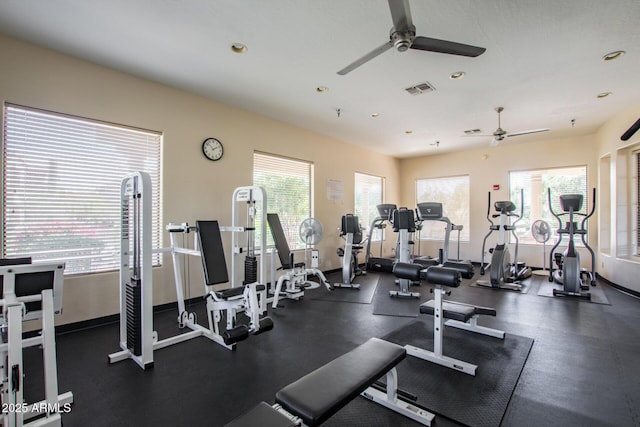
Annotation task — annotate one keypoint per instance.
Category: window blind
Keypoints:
(453, 193)
(61, 187)
(288, 184)
(564, 180)
(368, 194)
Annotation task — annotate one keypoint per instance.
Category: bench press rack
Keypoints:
(459, 315)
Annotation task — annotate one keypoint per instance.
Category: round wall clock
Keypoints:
(212, 149)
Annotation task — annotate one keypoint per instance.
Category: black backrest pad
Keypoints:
(213, 260)
(284, 253)
(320, 394)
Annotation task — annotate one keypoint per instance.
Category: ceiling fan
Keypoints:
(499, 134)
(403, 37)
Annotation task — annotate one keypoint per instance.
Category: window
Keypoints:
(368, 194)
(453, 193)
(635, 210)
(568, 180)
(61, 187)
(288, 185)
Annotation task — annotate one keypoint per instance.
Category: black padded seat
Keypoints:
(229, 292)
(456, 310)
(262, 415)
(320, 394)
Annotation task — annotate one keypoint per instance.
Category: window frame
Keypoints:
(291, 224)
(524, 237)
(34, 144)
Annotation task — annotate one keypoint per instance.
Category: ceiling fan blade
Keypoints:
(368, 57)
(445, 46)
(526, 132)
(401, 15)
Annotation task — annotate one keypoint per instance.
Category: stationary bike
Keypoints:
(568, 273)
(503, 273)
(353, 244)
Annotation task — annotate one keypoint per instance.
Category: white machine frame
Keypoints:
(437, 356)
(48, 411)
(136, 188)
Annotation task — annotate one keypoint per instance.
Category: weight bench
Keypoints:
(459, 315)
(314, 398)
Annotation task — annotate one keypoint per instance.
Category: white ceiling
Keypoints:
(543, 61)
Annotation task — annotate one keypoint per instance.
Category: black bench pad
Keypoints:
(262, 415)
(457, 310)
(321, 393)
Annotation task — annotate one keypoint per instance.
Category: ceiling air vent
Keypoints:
(420, 88)
(472, 131)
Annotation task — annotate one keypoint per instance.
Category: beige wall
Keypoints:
(193, 187)
(615, 261)
(483, 174)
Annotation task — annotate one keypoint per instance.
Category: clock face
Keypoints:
(212, 149)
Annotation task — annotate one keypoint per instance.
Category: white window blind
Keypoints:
(61, 187)
(453, 193)
(636, 204)
(288, 184)
(566, 180)
(368, 194)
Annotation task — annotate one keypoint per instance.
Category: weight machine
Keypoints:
(138, 340)
(295, 278)
(30, 291)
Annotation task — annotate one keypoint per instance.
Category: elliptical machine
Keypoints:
(503, 273)
(569, 274)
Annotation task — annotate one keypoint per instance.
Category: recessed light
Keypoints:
(613, 55)
(408, 132)
(322, 89)
(604, 94)
(238, 48)
(374, 115)
(457, 75)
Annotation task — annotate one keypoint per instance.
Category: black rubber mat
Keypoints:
(597, 293)
(386, 305)
(526, 285)
(363, 295)
(479, 400)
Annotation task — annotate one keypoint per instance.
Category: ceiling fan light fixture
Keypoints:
(239, 48)
(604, 95)
(457, 75)
(613, 55)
